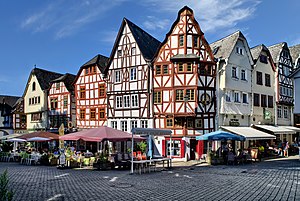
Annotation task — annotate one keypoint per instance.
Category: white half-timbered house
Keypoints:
(90, 94)
(234, 80)
(61, 102)
(184, 87)
(129, 78)
(19, 117)
(263, 87)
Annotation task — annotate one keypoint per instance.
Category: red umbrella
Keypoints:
(99, 134)
(43, 134)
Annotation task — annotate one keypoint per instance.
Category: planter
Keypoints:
(102, 165)
(53, 161)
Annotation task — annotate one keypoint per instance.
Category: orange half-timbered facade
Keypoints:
(184, 87)
(61, 102)
(90, 92)
(129, 78)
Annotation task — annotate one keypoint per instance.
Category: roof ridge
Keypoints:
(236, 32)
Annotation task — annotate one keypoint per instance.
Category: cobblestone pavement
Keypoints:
(268, 180)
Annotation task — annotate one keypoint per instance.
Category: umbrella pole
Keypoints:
(131, 154)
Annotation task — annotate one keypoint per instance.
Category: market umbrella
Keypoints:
(220, 136)
(15, 140)
(43, 134)
(38, 139)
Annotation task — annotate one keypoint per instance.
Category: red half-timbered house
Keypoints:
(184, 87)
(19, 117)
(61, 102)
(90, 92)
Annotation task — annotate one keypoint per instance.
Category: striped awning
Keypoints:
(249, 133)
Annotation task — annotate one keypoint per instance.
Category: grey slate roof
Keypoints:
(225, 45)
(99, 60)
(295, 51)
(275, 50)
(9, 100)
(45, 77)
(68, 79)
(255, 51)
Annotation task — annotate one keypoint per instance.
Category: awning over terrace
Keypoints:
(249, 133)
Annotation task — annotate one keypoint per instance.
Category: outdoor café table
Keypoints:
(141, 164)
(158, 160)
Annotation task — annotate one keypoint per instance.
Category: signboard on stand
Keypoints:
(61, 133)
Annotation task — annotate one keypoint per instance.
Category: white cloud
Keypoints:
(109, 36)
(153, 23)
(211, 14)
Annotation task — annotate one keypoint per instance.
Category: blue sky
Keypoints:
(61, 35)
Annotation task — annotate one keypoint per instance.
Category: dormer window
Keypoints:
(263, 59)
(57, 86)
(181, 40)
(33, 86)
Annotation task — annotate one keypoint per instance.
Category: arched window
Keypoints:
(33, 86)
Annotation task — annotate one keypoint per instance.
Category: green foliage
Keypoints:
(142, 146)
(5, 194)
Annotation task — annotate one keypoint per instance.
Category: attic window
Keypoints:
(57, 85)
(263, 59)
(33, 86)
(215, 50)
(239, 50)
(133, 51)
(119, 53)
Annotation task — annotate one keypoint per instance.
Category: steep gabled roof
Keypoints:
(99, 60)
(222, 48)
(295, 52)
(256, 51)
(44, 77)
(275, 50)
(9, 100)
(146, 43)
(68, 79)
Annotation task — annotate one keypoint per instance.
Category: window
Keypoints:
(181, 40)
(245, 98)
(202, 69)
(29, 101)
(57, 86)
(65, 101)
(119, 53)
(157, 97)
(144, 123)
(82, 92)
(179, 94)
(127, 101)
(102, 90)
(158, 70)
(114, 124)
(175, 147)
(243, 75)
(133, 51)
(285, 112)
(239, 50)
(133, 124)
(270, 101)
(195, 37)
(279, 112)
(259, 78)
(165, 70)
(87, 71)
(119, 101)
(234, 72)
(36, 116)
(82, 114)
(190, 123)
(236, 97)
(267, 80)
(263, 59)
(189, 67)
(133, 74)
(169, 122)
(23, 119)
(198, 123)
(118, 76)
(101, 113)
(94, 69)
(134, 101)
(190, 94)
(53, 103)
(180, 67)
(93, 113)
(33, 86)
(256, 100)
(263, 101)
(35, 100)
(227, 96)
(124, 125)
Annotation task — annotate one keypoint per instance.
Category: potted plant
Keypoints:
(102, 162)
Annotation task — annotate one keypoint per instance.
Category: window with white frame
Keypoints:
(134, 100)
(279, 112)
(119, 102)
(243, 75)
(127, 101)
(228, 96)
(133, 124)
(245, 98)
(285, 112)
(237, 97)
(114, 124)
(234, 72)
(144, 123)
(133, 74)
(118, 76)
(124, 125)
(133, 51)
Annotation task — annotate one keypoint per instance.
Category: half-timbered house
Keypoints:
(90, 93)
(263, 87)
(61, 102)
(6, 114)
(129, 83)
(184, 87)
(19, 117)
(234, 80)
(36, 98)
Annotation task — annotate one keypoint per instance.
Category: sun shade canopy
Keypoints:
(220, 136)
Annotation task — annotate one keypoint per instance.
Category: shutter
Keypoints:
(182, 148)
(200, 148)
(163, 145)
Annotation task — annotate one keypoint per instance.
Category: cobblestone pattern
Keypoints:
(272, 180)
